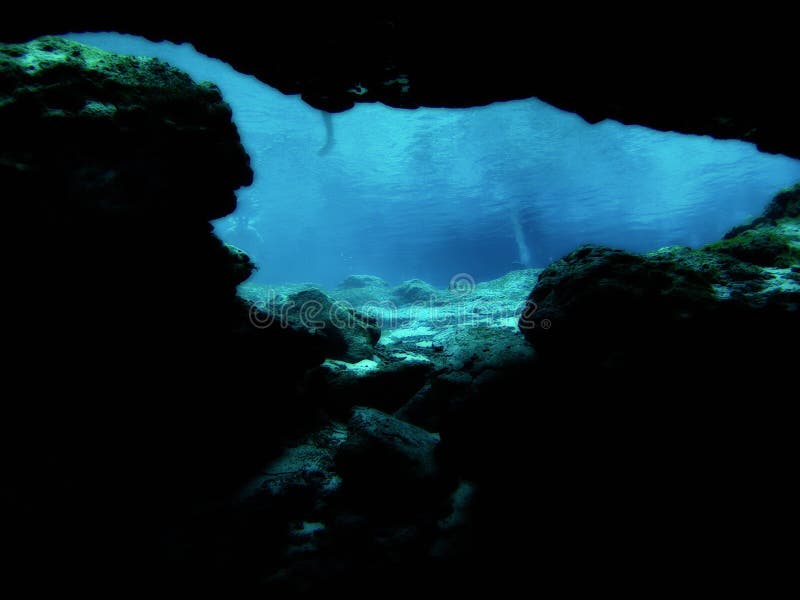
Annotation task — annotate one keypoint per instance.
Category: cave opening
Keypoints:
(433, 193)
(348, 452)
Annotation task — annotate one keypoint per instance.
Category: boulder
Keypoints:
(362, 281)
(481, 394)
(704, 311)
(362, 292)
(300, 480)
(416, 291)
(386, 458)
(341, 497)
(476, 349)
(340, 331)
(422, 410)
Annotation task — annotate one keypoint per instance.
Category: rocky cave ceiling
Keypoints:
(723, 75)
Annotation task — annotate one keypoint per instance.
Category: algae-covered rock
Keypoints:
(697, 309)
(595, 301)
(121, 134)
(111, 167)
(486, 380)
(765, 246)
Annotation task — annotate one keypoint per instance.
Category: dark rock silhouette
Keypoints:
(132, 353)
(158, 432)
(704, 311)
(689, 73)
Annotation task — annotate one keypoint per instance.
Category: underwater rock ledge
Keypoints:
(703, 312)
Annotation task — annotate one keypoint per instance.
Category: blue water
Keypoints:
(430, 193)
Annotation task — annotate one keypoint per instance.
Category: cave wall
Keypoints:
(105, 454)
(671, 71)
(130, 360)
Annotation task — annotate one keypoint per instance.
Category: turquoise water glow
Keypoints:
(432, 192)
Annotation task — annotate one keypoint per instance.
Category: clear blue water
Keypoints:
(430, 193)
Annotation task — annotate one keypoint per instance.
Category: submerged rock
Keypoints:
(362, 281)
(416, 291)
(785, 205)
(300, 480)
(641, 402)
(482, 391)
(720, 306)
(366, 493)
(386, 382)
(422, 410)
(384, 456)
(110, 168)
(341, 332)
(773, 239)
(363, 292)
(474, 350)
(243, 267)
(765, 246)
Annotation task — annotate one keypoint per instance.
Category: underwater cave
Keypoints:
(433, 192)
(355, 324)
